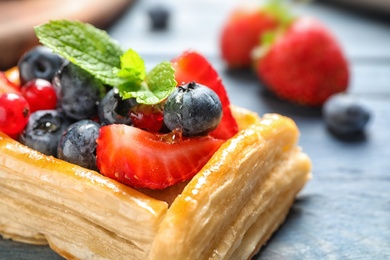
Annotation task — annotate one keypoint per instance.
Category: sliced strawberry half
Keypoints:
(142, 159)
(191, 66)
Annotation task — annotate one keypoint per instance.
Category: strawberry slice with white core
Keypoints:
(141, 159)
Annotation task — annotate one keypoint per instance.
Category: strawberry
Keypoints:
(242, 32)
(142, 159)
(191, 66)
(6, 86)
(304, 64)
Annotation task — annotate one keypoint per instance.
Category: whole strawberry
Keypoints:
(241, 33)
(304, 64)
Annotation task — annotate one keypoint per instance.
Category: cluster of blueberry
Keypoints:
(83, 104)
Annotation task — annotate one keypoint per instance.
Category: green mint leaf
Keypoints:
(94, 51)
(157, 86)
(132, 67)
(90, 48)
(161, 80)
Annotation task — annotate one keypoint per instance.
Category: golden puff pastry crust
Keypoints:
(227, 211)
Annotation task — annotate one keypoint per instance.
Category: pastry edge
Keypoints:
(246, 119)
(199, 241)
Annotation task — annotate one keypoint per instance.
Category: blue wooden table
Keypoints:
(344, 211)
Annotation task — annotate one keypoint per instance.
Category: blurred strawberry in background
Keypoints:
(242, 32)
(303, 64)
(297, 58)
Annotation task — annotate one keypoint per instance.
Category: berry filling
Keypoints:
(147, 117)
(138, 128)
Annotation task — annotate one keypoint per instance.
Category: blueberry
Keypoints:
(114, 110)
(345, 115)
(159, 16)
(193, 108)
(78, 92)
(39, 63)
(43, 131)
(78, 143)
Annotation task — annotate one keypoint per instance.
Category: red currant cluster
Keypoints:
(27, 88)
(18, 101)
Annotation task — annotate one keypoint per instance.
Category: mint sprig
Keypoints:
(148, 88)
(96, 52)
(132, 67)
(84, 45)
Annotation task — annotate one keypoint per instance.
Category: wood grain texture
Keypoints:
(17, 19)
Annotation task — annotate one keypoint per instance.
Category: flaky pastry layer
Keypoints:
(227, 211)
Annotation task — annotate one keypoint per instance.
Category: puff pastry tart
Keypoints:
(226, 207)
(227, 211)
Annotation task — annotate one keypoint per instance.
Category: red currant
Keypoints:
(40, 94)
(147, 117)
(14, 113)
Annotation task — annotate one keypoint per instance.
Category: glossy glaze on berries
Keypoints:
(193, 108)
(14, 113)
(78, 92)
(69, 133)
(40, 94)
(115, 110)
(43, 131)
(78, 143)
(148, 117)
(143, 159)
